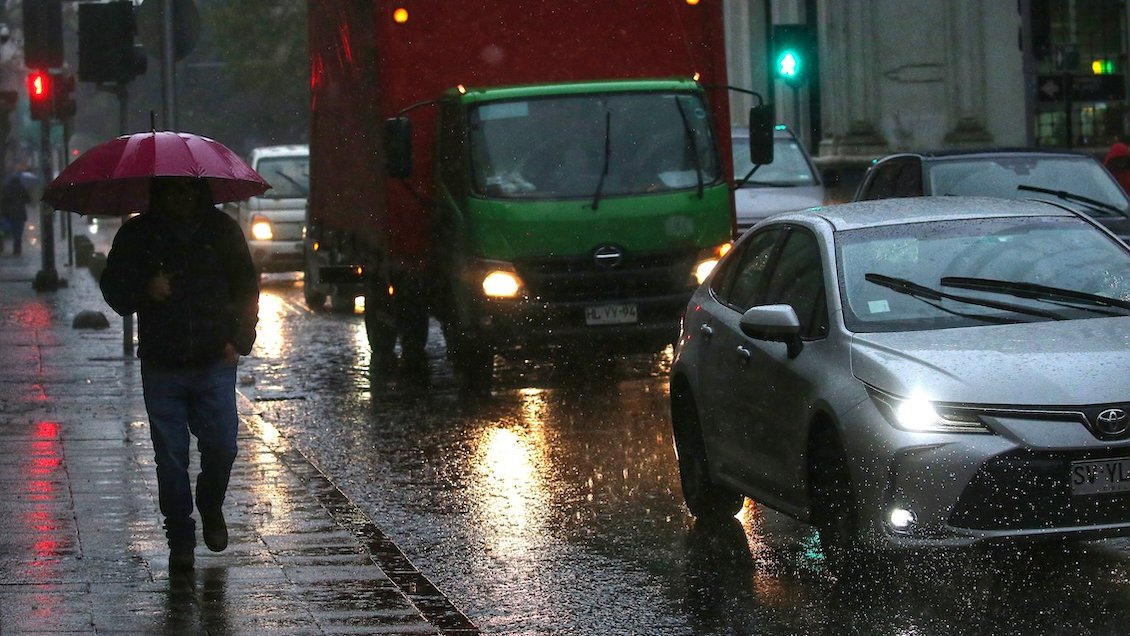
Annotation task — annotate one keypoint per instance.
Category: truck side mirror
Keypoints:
(761, 134)
(398, 147)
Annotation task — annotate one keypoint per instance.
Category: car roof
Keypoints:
(289, 150)
(983, 153)
(850, 216)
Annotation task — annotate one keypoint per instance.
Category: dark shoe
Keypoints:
(215, 529)
(181, 560)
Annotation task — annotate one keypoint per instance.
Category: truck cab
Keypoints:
(273, 222)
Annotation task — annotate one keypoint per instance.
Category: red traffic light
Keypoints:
(39, 95)
(39, 85)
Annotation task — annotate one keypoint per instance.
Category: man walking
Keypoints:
(14, 199)
(184, 268)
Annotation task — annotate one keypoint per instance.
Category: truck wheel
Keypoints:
(342, 303)
(474, 364)
(380, 328)
(704, 498)
(315, 299)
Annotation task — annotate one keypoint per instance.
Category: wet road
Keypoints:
(553, 507)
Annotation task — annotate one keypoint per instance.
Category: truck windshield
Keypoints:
(560, 147)
(289, 176)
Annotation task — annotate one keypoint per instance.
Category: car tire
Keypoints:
(704, 498)
(834, 507)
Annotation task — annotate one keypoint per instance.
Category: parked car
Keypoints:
(926, 372)
(273, 222)
(1073, 178)
(791, 182)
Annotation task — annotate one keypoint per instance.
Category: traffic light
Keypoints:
(51, 95)
(40, 96)
(43, 33)
(793, 53)
(107, 53)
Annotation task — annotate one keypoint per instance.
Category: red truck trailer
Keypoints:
(428, 117)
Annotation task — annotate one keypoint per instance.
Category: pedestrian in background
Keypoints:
(1117, 160)
(14, 199)
(184, 267)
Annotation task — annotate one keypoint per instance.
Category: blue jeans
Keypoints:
(200, 401)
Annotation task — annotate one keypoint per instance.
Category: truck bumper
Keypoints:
(608, 326)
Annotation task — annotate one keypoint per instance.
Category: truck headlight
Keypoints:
(708, 259)
(261, 229)
(501, 284)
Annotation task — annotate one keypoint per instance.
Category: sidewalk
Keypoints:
(82, 550)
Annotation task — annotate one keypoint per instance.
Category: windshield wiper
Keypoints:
(925, 293)
(1039, 292)
(607, 157)
(1069, 196)
(689, 132)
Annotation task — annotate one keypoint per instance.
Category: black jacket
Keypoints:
(215, 288)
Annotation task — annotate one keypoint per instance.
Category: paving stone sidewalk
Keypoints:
(81, 545)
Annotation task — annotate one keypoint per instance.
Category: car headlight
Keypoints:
(708, 259)
(261, 229)
(921, 415)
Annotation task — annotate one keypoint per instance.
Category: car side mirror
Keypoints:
(774, 323)
(398, 147)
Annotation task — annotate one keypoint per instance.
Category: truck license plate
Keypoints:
(1097, 477)
(610, 314)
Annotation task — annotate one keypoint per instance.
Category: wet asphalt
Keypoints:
(82, 550)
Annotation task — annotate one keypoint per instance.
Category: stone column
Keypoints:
(848, 63)
(965, 75)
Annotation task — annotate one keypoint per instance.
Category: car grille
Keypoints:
(1026, 490)
(638, 275)
(288, 231)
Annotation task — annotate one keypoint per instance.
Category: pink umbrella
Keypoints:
(112, 179)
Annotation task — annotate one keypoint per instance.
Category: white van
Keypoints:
(273, 221)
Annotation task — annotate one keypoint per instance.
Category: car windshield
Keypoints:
(916, 276)
(289, 176)
(614, 144)
(789, 167)
(1002, 177)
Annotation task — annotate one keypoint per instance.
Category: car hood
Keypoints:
(755, 203)
(1048, 363)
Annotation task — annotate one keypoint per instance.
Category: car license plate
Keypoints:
(610, 314)
(1104, 476)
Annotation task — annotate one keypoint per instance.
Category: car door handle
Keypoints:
(706, 330)
(745, 355)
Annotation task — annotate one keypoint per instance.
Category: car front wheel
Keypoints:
(704, 497)
(834, 508)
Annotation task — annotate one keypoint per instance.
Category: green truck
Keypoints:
(535, 175)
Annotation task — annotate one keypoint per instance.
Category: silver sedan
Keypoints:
(913, 373)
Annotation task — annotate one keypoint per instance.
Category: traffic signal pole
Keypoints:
(47, 278)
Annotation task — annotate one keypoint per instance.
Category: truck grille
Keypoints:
(637, 275)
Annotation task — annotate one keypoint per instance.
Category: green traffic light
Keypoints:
(788, 65)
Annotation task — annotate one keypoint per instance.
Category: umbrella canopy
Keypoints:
(112, 179)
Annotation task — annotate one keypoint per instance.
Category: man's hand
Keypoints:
(231, 356)
(158, 288)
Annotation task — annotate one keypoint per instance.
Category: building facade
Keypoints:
(932, 74)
